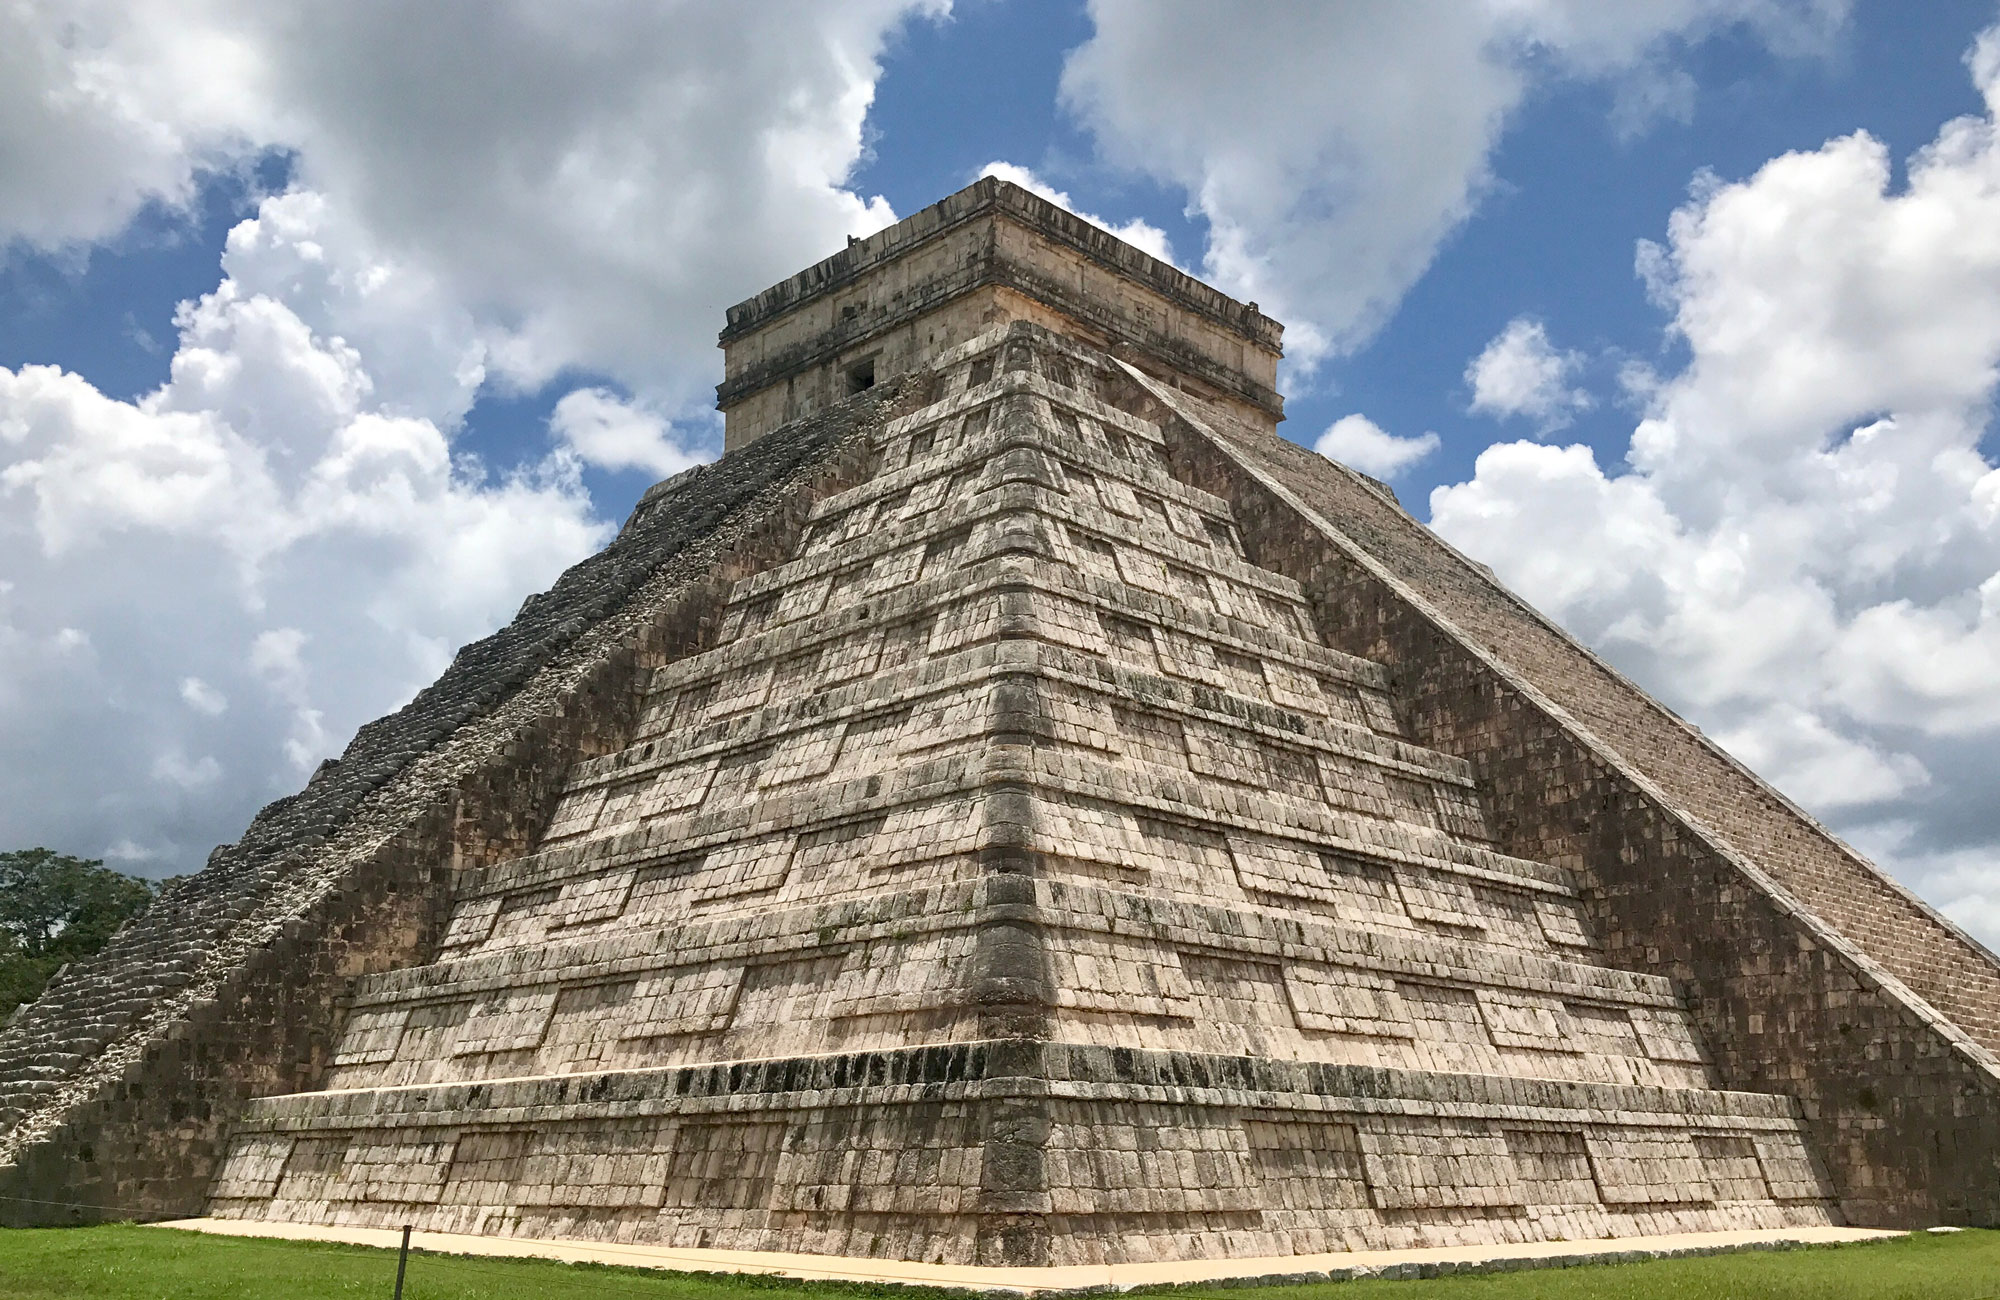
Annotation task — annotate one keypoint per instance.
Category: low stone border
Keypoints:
(1073, 1280)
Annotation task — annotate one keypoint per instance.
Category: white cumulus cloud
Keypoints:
(1521, 374)
(552, 187)
(212, 585)
(209, 587)
(1333, 147)
(1802, 550)
(1360, 443)
(613, 433)
(203, 698)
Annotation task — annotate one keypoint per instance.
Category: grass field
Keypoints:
(132, 1263)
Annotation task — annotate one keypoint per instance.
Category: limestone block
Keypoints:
(733, 871)
(1307, 1165)
(1561, 923)
(804, 755)
(1442, 899)
(1340, 1000)
(838, 1162)
(506, 1021)
(1553, 1166)
(594, 899)
(1118, 498)
(901, 975)
(403, 1171)
(1192, 861)
(1434, 1165)
(735, 777)
(253, 1167)
(966, 623)
(1244, 1001)
(1346, 702)
(1647, 1167)
(904, 643)
(594, 1166)
(901, 567)
(684, 1000)
(1280, 867)
(1087, 833)
(850, 657)
(655, 794)
(1788, 1168)
(1731, 1164)
(1527, 1020)
(1078, 717)
(471, 921)
(1097, 974)
(1225, 753)
(1606, 1031)
(1150, 736)
(790, 991)
(486, 1165)
(1114, 1163)
(371, 1036)
(1128, 641)
(948, 718)
(1666, 1035)
(576, 815)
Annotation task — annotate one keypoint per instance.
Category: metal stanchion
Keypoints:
(402, 1258)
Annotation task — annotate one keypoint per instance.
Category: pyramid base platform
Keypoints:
(1020, 1154)
(1337, 1266)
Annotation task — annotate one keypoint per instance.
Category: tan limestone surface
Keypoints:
(1030, 1281)
(1021, 880)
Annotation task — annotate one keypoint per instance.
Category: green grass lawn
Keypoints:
(131, 1263)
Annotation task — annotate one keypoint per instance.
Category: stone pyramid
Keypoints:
(1014, 809)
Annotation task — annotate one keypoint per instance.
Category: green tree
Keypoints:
(54, 909)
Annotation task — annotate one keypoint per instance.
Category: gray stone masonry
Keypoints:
(1020, 879)
(1024, 813)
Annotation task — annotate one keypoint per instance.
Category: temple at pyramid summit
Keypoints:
(1016, 809)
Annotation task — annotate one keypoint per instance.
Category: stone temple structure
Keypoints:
(1015, 808)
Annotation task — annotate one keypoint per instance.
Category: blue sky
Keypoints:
(1553, 238)
(359, 332)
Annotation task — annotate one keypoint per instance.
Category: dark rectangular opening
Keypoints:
(861, 376)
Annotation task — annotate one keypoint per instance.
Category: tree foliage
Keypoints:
(54, 909)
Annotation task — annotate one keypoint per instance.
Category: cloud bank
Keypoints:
(207, 589)
(1333, 148)
(1803, 549)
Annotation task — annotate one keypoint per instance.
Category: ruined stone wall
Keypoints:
(117, 1085)
(1902, 1105)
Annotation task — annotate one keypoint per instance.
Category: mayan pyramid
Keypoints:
(1017, 809)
